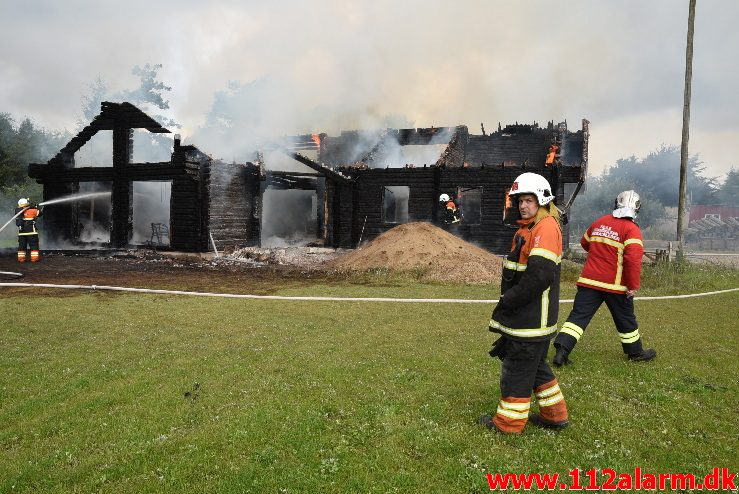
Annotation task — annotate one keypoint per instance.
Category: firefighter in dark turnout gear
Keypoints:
(612, 275)
(526, 315)
(27, 232)
(450, 212)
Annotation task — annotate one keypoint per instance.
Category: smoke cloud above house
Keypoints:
(241, 72)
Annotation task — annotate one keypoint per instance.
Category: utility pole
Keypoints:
(686, 129)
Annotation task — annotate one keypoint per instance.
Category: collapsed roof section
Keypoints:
(513, 145)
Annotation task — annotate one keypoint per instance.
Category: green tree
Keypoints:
(655, 177)
(150, 95)
(659, 173)
(91, 102)
(599, 198)
(729, 192)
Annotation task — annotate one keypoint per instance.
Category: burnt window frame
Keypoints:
(383, 190)
(461, 189)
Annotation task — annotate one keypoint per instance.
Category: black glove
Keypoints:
(498, 348)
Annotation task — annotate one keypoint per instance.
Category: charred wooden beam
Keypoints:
(323, 170)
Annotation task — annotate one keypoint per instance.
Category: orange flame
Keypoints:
(317, 139)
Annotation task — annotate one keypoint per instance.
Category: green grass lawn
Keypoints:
(144, 393)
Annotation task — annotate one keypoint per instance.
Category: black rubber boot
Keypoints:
(536, 419)
(644, 356)
(561, 357)
(487, 421)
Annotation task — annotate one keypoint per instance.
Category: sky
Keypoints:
(288, 67)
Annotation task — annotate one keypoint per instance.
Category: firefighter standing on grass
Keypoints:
(526, 315)
(27, 233)
(612, 275)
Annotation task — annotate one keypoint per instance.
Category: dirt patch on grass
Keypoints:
(146, 270)
(436, 253)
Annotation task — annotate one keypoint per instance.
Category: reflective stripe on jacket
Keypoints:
(615, 251)
(529, 303)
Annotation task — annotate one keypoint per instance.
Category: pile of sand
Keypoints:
(441, 255)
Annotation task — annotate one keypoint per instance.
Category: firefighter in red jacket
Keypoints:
(611, 274)
(526, 315)
(27, 233)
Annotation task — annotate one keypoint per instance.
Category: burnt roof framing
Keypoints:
(60, 177)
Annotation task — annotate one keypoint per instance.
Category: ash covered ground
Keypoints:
(434, 254)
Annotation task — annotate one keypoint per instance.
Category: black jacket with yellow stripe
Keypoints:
(529, 304)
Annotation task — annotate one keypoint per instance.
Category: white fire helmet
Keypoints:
(23, 202)
(532, 183)
(444, 198)
(627, 204)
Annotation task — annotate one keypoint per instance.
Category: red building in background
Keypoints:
(701, 211)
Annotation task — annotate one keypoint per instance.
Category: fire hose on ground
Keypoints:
(317, 299)
(10, 274)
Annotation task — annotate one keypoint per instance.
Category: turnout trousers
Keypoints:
(26, 243)
(524, 371)
(587, 302)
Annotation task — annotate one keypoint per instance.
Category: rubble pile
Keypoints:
(304, 257)
(440, 255)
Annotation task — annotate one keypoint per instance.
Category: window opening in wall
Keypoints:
(469, 202)
(94, 213)
(395, 203)
(713, 216)
(289, 217)
(151, 201)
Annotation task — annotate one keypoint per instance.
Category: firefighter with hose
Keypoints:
(612, 275)
(28, 240)
(526, 315)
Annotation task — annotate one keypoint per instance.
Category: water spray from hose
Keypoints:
(74, 198)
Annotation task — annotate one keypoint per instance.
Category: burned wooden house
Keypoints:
(353, 186)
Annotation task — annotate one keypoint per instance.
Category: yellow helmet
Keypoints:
(23, 202)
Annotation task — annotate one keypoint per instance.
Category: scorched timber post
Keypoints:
(122, 197)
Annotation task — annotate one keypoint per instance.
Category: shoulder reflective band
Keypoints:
(633, 241)
(545, 253)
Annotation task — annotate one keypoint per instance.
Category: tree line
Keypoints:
(656, 179)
